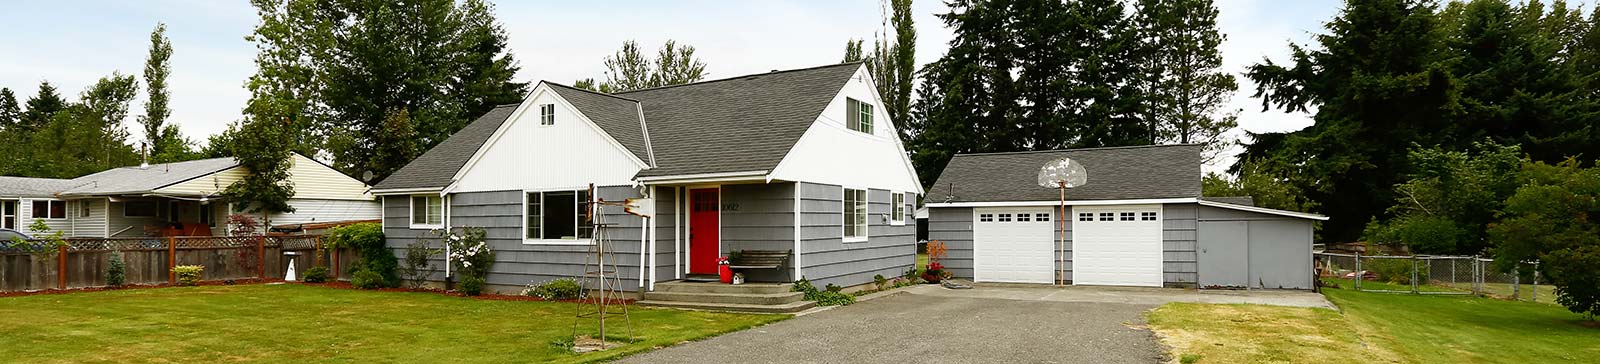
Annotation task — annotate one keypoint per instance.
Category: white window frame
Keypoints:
(411, 212)
(577, 219)
(859, 211)
(897, 212)
(854, 122)
(547, 114)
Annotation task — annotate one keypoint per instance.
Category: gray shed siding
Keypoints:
(953, 226)
(1277, 248)
(517, 264)
(826, 259)
(666, 213)
(1178, 267)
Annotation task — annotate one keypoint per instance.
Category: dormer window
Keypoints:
(859, 115)
(547, 114)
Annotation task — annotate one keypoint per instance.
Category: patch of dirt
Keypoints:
(488, 297)
(222, 282)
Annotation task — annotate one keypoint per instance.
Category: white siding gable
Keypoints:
(312, 180)
(524, 155)
(832, 153)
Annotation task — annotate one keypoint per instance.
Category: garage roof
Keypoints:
(1116, 173)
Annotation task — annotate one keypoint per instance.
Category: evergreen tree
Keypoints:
(41, 107)
(334, 70)
(156, 69)
(893, 66)
(10, 111)
(629, 69)
(1184, 85)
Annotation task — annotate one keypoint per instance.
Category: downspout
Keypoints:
(797, 273)
(677, 232)
(651, 222)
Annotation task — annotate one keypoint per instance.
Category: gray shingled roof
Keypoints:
(32, 187)
(139, 180)
(746, 123)
(1165, 171)
(437, 166)
(618, 116)
(1236, 200)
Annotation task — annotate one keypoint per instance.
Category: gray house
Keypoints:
(799, 161)
(1140, 220)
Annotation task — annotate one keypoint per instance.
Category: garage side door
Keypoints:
(1117, 245)
(1013, 245)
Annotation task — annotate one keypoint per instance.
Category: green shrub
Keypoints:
(189, 275)
(832, 298)
(1189, 359)
(832, 288)
(471, 285)
(882, 283)
(367, 279)
(804, 286)
(116, 270)
(418, 263)
(317, 274)
(368, 242)
(1397, 271)
(560, 289)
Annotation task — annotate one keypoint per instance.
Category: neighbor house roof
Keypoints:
(1116, 173)
(32, 187)
(618, 116)
(739, 124)
(435, 168)
(130, 180)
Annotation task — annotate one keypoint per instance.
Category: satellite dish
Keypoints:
(1054, 173)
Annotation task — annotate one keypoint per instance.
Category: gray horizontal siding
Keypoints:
(889, 250)
(759, 217)
(1178, 264)
(666, 247)
(953, 226)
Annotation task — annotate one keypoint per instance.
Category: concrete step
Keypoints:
(736, 298)
(791, 307)
(717, 287)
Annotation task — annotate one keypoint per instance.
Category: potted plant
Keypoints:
(934, 273)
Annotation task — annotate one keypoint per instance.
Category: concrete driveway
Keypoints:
(988, 324)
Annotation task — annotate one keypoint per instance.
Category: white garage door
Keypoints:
(1013, 245)
(1116, 245)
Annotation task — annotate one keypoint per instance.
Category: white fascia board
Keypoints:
(1069, 202)
(706, 177)
(1263, 210)
(405, 191)
(522, 108)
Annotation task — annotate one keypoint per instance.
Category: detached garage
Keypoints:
(1138, 220)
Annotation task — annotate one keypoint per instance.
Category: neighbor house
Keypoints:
(175, 199)
(803, 162)
(1140, 220)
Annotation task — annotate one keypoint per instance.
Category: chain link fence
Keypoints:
(1433, 274)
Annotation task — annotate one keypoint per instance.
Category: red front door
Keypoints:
(704, 225)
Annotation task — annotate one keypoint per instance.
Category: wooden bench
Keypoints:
(758, 259)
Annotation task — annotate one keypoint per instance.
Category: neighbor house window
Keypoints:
(859, 116)
(83, 209)
(547, 114)
(898, 212)
(855, 215)
(140, 209)
(557, 215)
(427, 211)
(208, 215)
(44, 209)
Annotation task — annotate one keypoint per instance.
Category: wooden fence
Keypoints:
(83, 262)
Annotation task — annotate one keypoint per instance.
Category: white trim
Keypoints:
(650, 233)
(522, 108)
(844, 225)
(894, 134)
(897, 219)
(1069, 202)
(1263, 210)
(576, 223)
(649, 147)
(404, 191)
(411, 210)
(704, 177)
(677, 230)
(797, 274)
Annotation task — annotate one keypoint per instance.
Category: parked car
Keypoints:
(8, 234)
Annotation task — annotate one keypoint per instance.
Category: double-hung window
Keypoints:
(898, 210)
(858, 115)
(855, 215)
(557, 215)
(547, 114)
(49, 209)
(427, 211)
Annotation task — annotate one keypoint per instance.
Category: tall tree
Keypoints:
(334, 71)
(41, 107)
(852, 51)
(1184, 87)
(894, 65)
(262, 144)
(10, 111)
(156, 69)
(629, 69)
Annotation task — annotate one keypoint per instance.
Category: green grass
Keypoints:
(1547, 293)
(922, 262)
(1380, 328)
(303, 324)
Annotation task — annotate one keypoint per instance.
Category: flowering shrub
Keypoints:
(560, 289)
(935, 273)
(470, 253)
(367, 240)
(189, 275)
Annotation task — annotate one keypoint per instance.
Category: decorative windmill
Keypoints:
(600, 271)
(1061, 174)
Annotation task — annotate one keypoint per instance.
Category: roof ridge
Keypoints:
(1077, 149)
(857, 63)
(591, 92)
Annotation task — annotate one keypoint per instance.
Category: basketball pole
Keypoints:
(1061, 243)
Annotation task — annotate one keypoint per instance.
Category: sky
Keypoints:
(74, 43)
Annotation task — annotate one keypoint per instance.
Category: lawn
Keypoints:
(1379, 328)
(304, 324)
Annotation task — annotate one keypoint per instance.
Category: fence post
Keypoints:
(1356, 280)
(261, 258)
(1516, 282)
(172, 260)
(61, 266)
(1535, 281)
(1414, 274)
(335, 264)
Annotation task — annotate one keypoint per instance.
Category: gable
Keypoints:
(436, 168)
(831, 152)
(311, 179)
(522, 154)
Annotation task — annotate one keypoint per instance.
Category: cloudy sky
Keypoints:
(73, 43)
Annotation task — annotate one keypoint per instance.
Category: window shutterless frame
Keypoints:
(897, 212)
(426, 211)
(855, 215)
(546, 212)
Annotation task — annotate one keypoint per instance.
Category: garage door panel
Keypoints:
(1124, 250)
(1013, 249)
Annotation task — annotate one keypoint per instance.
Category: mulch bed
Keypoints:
(489, 297)
(227, 282)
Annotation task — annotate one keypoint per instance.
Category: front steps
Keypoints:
(715, 296)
